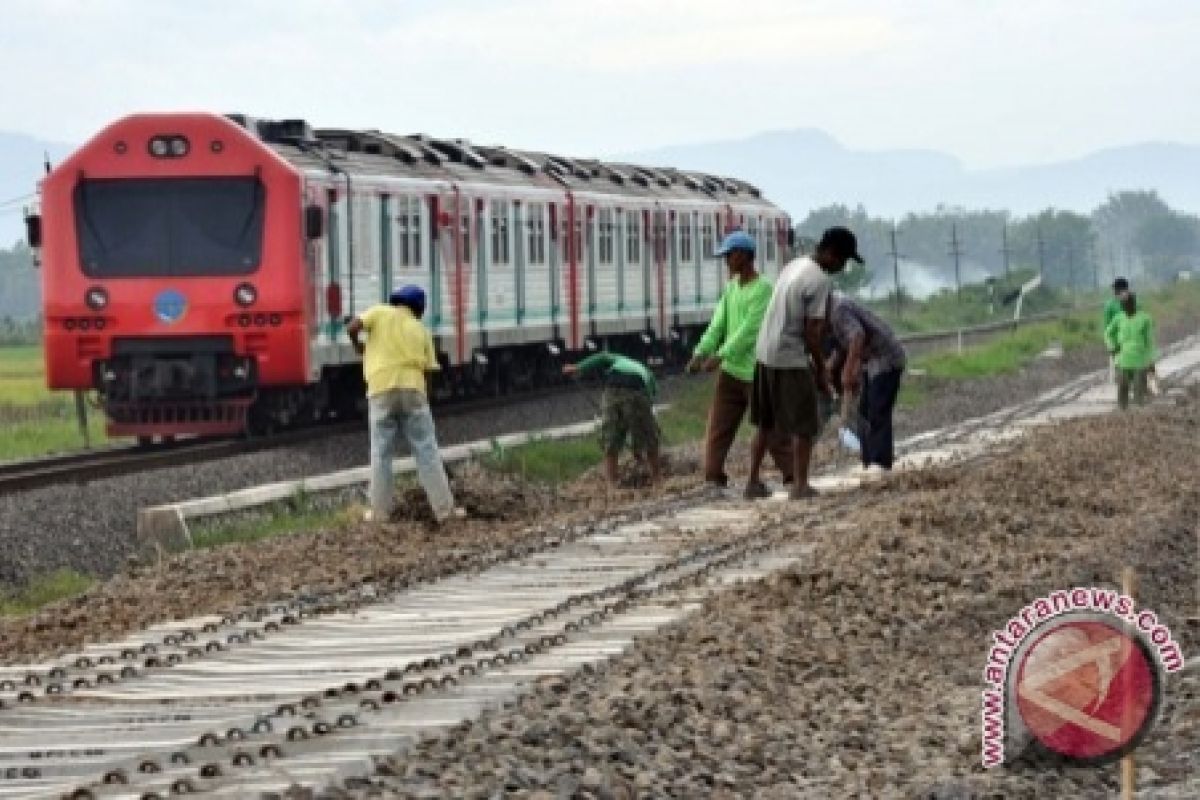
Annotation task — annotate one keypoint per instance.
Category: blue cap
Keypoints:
(738, 240)
(411, 296)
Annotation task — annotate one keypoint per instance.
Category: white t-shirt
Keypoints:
(801, 294)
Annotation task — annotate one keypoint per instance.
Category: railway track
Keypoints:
(79, 467)
(312, 692)
(109, 462)
(303, 698)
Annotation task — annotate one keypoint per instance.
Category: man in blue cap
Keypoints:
(396, 357)
(728, 346)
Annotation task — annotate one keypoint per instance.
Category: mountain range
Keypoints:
(806, 168)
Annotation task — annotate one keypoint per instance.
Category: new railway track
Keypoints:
(79, 467)
(312, 690)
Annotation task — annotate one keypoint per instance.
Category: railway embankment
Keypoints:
(857, 673)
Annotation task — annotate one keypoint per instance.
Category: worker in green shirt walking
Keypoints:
(629, 392)
(1130, 337)
(1112, 309)
(728, 345)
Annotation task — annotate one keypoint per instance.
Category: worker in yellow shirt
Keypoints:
(396, 357)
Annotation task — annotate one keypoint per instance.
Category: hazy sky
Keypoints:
(992, 81)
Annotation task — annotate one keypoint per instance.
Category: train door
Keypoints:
(365, 268)
(605, 278)
(407, 257)
(336, 257)
(687, 277)
(634, 297)
(661, 246)
(497, 266)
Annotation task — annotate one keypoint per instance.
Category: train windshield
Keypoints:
(169, 227)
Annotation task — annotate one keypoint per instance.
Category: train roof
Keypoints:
(371, 152)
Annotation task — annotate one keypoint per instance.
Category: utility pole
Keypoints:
(1071, 271)
(1005, 250)
(956, 251)
(1041, 255)
(895, 254)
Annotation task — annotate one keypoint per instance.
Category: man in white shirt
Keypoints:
(784, 397)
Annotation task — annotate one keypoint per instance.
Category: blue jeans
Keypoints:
(405, 411)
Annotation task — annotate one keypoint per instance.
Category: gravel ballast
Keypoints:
(858, 673)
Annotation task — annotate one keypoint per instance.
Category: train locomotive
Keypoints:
(198, 270)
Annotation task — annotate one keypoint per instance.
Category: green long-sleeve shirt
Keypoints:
(1133, 339)
(626, 371)
(1111, 309)
(733, 331)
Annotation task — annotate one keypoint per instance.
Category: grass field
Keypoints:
(977, 306)
(1012, 351)
(35, 420)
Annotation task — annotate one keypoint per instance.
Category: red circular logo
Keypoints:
(1087, 689)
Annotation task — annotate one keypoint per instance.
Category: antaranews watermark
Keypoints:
(1082, 669)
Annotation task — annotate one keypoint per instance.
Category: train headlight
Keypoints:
(169, 146)
(96, 298)
(245, 294)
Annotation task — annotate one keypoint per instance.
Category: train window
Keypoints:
(605, 246)
(139, 227)
(685, 236)
(536, 226)
(707, 245)
(500, 233)
(402, 232)
(633, 237)
(415, 231)
(408, 231)
(770, 236)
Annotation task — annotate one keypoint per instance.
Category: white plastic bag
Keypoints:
(1152, 384)
(849, 440)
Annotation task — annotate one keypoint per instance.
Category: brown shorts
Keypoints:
(784, 401)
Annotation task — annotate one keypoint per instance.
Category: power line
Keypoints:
(15, 200)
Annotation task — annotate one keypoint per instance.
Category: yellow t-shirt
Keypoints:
(398, 351)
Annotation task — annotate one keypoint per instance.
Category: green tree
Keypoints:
(1170, 243)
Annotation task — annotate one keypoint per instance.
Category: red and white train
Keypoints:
(198, 269)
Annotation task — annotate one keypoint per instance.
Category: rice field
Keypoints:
(34, 420)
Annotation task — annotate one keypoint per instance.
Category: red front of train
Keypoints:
(173, 274)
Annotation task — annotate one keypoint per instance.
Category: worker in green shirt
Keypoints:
(1130, 337)
(728, 345)
(1112, 309)
(629, 391)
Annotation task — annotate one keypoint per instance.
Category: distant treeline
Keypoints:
(1133, 233)
(14, 331)
(20, 286)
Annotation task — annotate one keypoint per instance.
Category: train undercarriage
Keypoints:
(158, 389)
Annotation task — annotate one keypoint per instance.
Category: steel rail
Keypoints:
(113, 461)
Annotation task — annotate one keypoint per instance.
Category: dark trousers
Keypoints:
(875, 406)
(731, 399)
(1131, 379)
